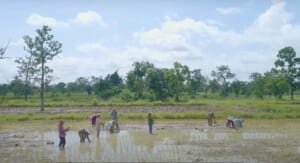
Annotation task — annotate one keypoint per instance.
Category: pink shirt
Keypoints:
(94, 119)
(61, 131)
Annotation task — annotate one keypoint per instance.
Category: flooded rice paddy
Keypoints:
(173, 141)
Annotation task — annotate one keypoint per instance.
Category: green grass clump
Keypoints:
(157, 115)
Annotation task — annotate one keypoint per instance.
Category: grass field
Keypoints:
(156, 116)
(264, 108)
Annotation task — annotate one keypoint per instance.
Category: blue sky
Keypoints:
(100, 37)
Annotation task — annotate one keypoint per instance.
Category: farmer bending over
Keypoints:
(84, 134)
(211, 118)
(110, 126)
(234, 122)
(238, 123)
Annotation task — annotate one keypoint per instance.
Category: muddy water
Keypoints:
(258, 141)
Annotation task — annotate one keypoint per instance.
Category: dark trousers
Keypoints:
(150, 128)
(62, 142)
(116, 120)
(230, 123)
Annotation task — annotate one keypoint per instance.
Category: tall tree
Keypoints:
(115, 79)
(17, 86)
(213, 85)
(236, 87)
(44, 50)
(60, 87)
(156, 83)
(269, 78)
(136, 78)
(105, 89)
(289, 65)
(26, 68)
(280, 86)
(223, 74)
(82, 84)
(258, 83)
(177, 77)
(197, 81)
(4, 89)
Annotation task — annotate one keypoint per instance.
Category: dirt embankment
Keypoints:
(125, 109)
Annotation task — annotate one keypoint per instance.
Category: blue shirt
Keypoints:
(114, 114)
(239, 122)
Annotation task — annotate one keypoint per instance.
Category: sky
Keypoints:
(101, 37)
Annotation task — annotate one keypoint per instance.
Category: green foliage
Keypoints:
(42, 49)
(156, 116)
(105, 89)
(214, 85)
(236, 86)
(157, 83)
(3, 51)
(147, 83)
(259, 84)
(4, 89)
(197, 82)
(136, 77)
(289, 66)
(27, 66)
(95, 102)
(17, 87)
(115, 79)
(280, 87)
(223, 74)
(176, 79)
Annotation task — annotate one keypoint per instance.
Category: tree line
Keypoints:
(144, 80)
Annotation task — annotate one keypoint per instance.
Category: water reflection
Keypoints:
(262, 135)
(133, 146)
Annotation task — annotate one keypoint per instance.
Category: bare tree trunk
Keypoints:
(42, 87)
(26, 91)
(26, 86)
(292, 94)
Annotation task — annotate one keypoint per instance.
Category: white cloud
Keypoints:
(37, 20)
(253, 49)
(91, 47)
(193, 43)
(230, 10)
(89, 17)
(214, 22)
(83, 18)
(17, 43)
(273, 28)
(8, 69)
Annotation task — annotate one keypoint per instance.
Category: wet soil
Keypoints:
(172, 141)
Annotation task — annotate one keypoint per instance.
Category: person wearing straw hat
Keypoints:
(84, 134)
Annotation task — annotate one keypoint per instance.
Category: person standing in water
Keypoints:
(150, 122)
(93, 119)
(99, 123)
(114, 116)
(62, 134)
